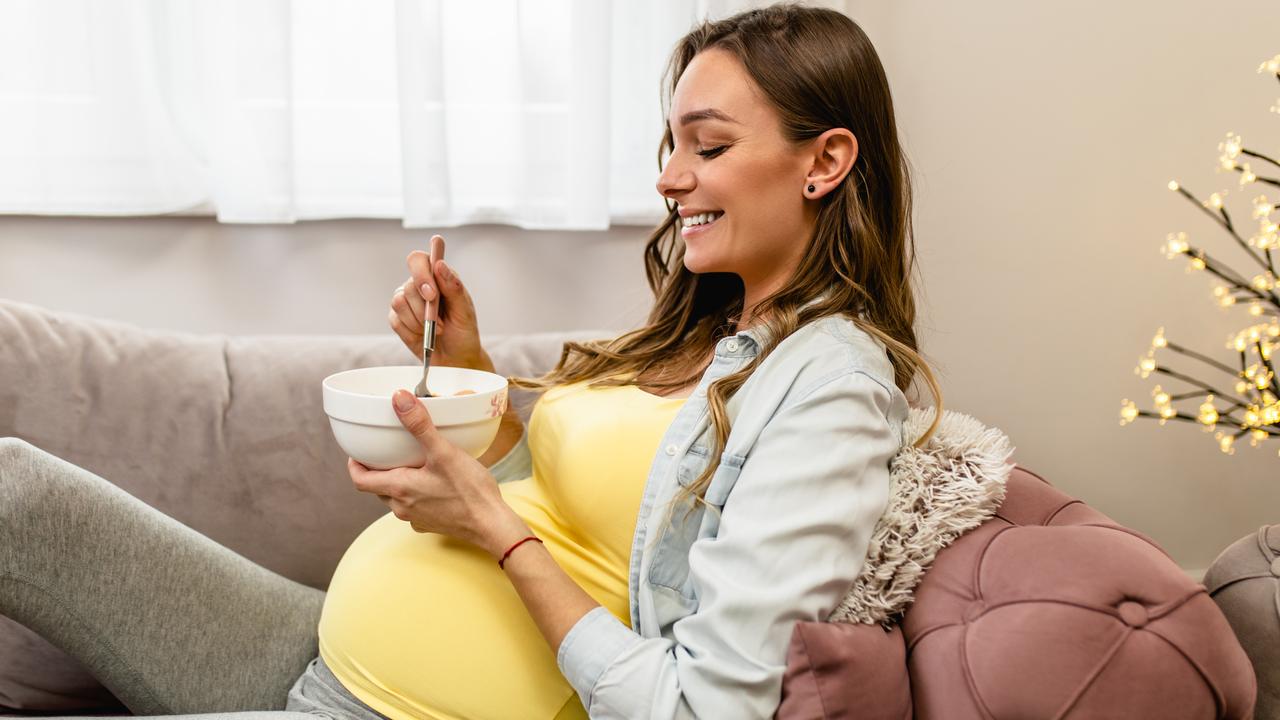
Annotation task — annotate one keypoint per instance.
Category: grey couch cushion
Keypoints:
(1245, 582)
(225, 434)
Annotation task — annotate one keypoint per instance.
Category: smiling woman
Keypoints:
(784, 303)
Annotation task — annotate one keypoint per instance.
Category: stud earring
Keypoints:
(811, 188)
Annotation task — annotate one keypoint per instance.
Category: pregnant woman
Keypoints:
(682, 495)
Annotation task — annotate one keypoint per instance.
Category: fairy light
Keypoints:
(1175, 244)
(1160, 397)
(1208, 413)
(1262, 208)
(1215, 200)
(1271, 414)
(1230, 149)
(1128, 411)
(1159, 340)
(1145, 366)
(1226, 444)
(1263, 379)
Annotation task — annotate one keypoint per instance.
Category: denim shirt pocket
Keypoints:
(670, 566)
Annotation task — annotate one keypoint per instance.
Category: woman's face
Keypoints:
(730, 158)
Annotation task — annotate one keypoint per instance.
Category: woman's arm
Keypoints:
(553, 599)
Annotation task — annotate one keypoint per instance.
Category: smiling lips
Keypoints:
(687, 229)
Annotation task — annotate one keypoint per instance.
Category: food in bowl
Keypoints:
(466, 410)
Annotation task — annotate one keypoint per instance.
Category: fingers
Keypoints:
(420, 268)
(411, 337)
(386, 484)
(403, 304)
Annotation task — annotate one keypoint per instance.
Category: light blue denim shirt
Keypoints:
(802, 481)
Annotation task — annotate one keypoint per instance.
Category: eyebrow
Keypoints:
(706, 114)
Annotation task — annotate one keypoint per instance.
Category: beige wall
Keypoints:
(1042, 135)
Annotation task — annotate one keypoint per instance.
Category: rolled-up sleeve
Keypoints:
(517, 464)
(793, 537)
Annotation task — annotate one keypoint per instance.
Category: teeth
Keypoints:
(701, 218)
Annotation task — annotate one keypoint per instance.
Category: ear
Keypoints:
(832, 153)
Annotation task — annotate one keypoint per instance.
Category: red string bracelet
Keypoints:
(513, 547)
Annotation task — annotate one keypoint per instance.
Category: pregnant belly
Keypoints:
(421, 625)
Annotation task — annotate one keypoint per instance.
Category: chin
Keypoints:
(695, 263)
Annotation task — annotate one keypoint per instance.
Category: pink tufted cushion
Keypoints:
(1051, 609)
(1047, 610)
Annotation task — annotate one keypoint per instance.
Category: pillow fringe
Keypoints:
(937, 492)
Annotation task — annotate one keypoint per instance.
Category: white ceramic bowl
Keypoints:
(358, 403)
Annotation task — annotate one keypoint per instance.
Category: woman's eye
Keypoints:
(712, 152)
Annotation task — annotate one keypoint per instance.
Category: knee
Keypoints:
(18, 459)
(13, 451)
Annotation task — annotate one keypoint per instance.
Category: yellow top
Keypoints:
(419, 625)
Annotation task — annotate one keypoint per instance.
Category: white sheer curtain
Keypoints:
(536, 113)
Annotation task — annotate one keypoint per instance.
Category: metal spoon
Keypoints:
(430, 316)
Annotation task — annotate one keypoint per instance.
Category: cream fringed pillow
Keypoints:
(937, 493)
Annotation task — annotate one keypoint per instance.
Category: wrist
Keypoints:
(507, 531)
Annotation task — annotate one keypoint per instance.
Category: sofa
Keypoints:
(1047, 609)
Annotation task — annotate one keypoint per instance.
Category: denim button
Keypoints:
(671, 449)
(731, 346)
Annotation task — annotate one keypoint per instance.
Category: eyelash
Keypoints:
(713, 151)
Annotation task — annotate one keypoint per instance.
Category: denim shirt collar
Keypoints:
(748, 341)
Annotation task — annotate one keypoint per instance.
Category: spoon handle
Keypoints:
(431, 315)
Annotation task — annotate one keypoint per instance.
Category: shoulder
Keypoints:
(826, 349)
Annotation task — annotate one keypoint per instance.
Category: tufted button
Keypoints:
(1275, 567)
(1134, 614)
(975, 610)
(671, 449)
(731, 346)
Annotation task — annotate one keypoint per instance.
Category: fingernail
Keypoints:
(403, 400)
(448, 271)
(425, 289)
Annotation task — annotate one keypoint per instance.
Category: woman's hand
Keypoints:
(457, 332)
(451, 494)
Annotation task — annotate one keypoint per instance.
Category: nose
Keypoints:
(674, 180)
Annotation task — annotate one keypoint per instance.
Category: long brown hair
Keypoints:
(819, 71)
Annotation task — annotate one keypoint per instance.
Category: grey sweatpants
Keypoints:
(169, 621)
